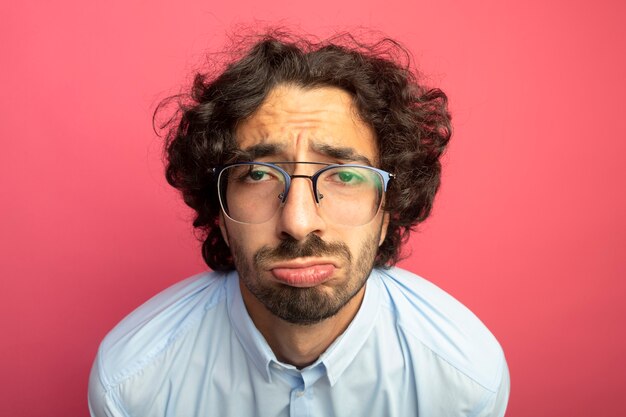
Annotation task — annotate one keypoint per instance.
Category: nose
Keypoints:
(299, 216)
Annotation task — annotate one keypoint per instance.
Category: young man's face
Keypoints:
(300, 265)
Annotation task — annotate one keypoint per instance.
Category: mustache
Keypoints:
(290, 248)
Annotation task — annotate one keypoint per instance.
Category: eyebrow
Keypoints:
(262, 150)
(342, 153)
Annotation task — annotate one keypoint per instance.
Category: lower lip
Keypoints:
(309, 276)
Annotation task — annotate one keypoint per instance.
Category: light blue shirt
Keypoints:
(411, 350)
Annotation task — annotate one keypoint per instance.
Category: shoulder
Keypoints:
(157, 323)
(428, 316)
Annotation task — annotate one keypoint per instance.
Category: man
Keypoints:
(307, 165)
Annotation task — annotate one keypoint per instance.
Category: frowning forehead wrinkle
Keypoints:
(261, 150)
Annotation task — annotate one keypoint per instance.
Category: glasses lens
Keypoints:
(250, 193)
(350, 195)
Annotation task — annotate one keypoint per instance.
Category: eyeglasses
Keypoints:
(345, 194)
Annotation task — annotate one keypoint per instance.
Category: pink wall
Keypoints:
(529, 230)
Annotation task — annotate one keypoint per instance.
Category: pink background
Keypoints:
(529, 230)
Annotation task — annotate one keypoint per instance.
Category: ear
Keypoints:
(383, 228)
(223, 229)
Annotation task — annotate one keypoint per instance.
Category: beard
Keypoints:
(306, 306)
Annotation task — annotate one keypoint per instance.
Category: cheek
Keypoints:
(248, 239)
(357, 238)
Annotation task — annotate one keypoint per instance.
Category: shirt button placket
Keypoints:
(299, 406)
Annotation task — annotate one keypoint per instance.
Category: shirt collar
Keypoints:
(251, 339)
(344, 349)
(339, 354)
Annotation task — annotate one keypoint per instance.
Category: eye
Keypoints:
(258, 175)
(346, 177)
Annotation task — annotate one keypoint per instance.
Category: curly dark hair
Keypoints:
(411, 122)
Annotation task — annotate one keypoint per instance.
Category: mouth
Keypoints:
(303, 274)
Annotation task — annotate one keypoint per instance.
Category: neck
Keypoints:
(295, 344)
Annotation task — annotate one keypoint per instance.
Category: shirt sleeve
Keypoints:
(100, 402)
(495, 406)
